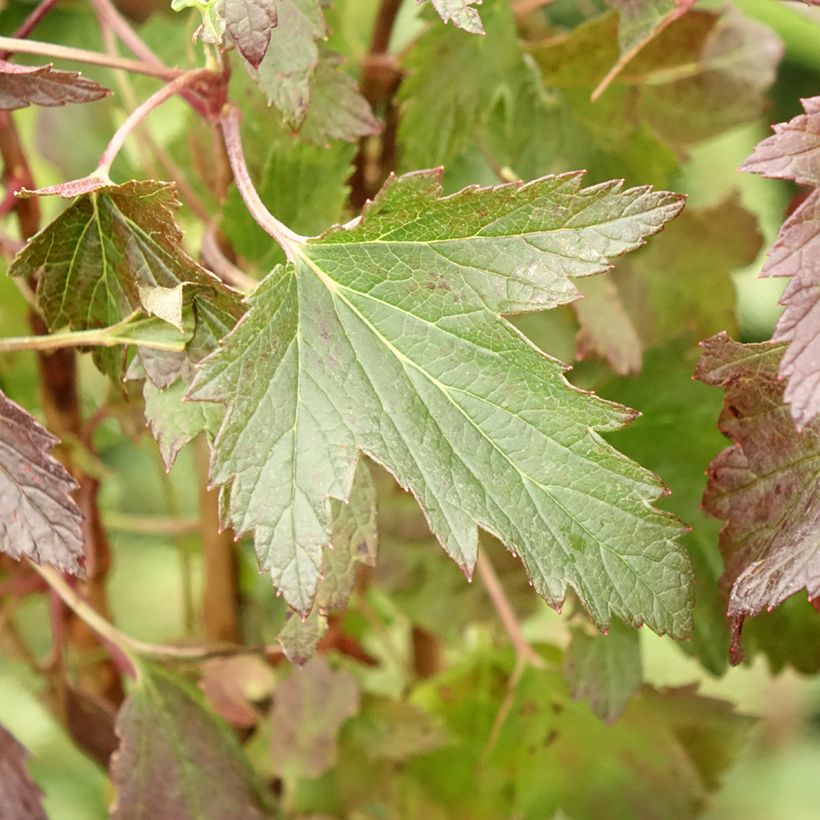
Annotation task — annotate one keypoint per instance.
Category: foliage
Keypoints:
(337, 279)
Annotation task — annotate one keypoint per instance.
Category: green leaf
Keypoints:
(669, 747)
(300, 638)
(309, 709)
(386, 339)
(765, 486)
(41, 520)
(605, 670)
(670, 402)
(22, 85)
(19, 795)
(177, 760)
(440, 119)
(115, 250)
(250, 24)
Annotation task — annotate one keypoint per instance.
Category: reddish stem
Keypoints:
(30, 23)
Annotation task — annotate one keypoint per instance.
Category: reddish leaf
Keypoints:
(40, 518)
(766, 486)
(793, 152)
(23, 85)
(19, 796)
(249, 23)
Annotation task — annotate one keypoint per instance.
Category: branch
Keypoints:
(81, 55)
(109, 17)
(141, 112)
(285, 237)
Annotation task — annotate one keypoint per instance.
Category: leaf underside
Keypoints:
(22, 85)
(766, 487)
(40, 520)
(387, 339)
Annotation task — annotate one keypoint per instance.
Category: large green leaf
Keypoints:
(386, 338)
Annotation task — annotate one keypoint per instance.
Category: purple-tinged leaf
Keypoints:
(23, 85)
(249, 23)
(177, 760)
(766, 486)
(793, 152)
(40, 519)
(19, 795)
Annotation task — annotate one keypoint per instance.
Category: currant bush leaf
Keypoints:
(23, 85)
(250, 23)
(605, 670)
(299, 638)
(387, 339)
(40, 518)
(177, 759)
(766, 486)
(19, 795)
(793, 152)
(115, 250)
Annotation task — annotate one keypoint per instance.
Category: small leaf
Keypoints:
(113, 251)
(300, 638)
(387, 338)
(793, 152)
(19, 795)
(461, 13)
(23, 85)
(40, 518)
(766, 486)
(250, 23)
(309, 709)
(291, 59)
(605, 670)
(177, 760)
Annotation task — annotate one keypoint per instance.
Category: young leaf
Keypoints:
(115, 250)
(250, 23)
(177, 760)
(309, 709)
(793, 152)
(387, 339)
(19, 795)
(24, 85)
(40, 518)
(300, 638)
(605, 670)
(766, 486)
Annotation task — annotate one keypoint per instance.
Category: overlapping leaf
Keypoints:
(115, 250)
(176, 759)
(23, 85)
(766, 486)
(461, 13)
(40, 518)
(605, 670)
(793, 152)
(386, 339)
(250, 23)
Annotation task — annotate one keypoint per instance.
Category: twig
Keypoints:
(140, 113)
(524, 8)
(151, 525)
(125, 643)
(81, 55)
(97, 337)
(285, 237)
(110, 17)
(487, 574)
